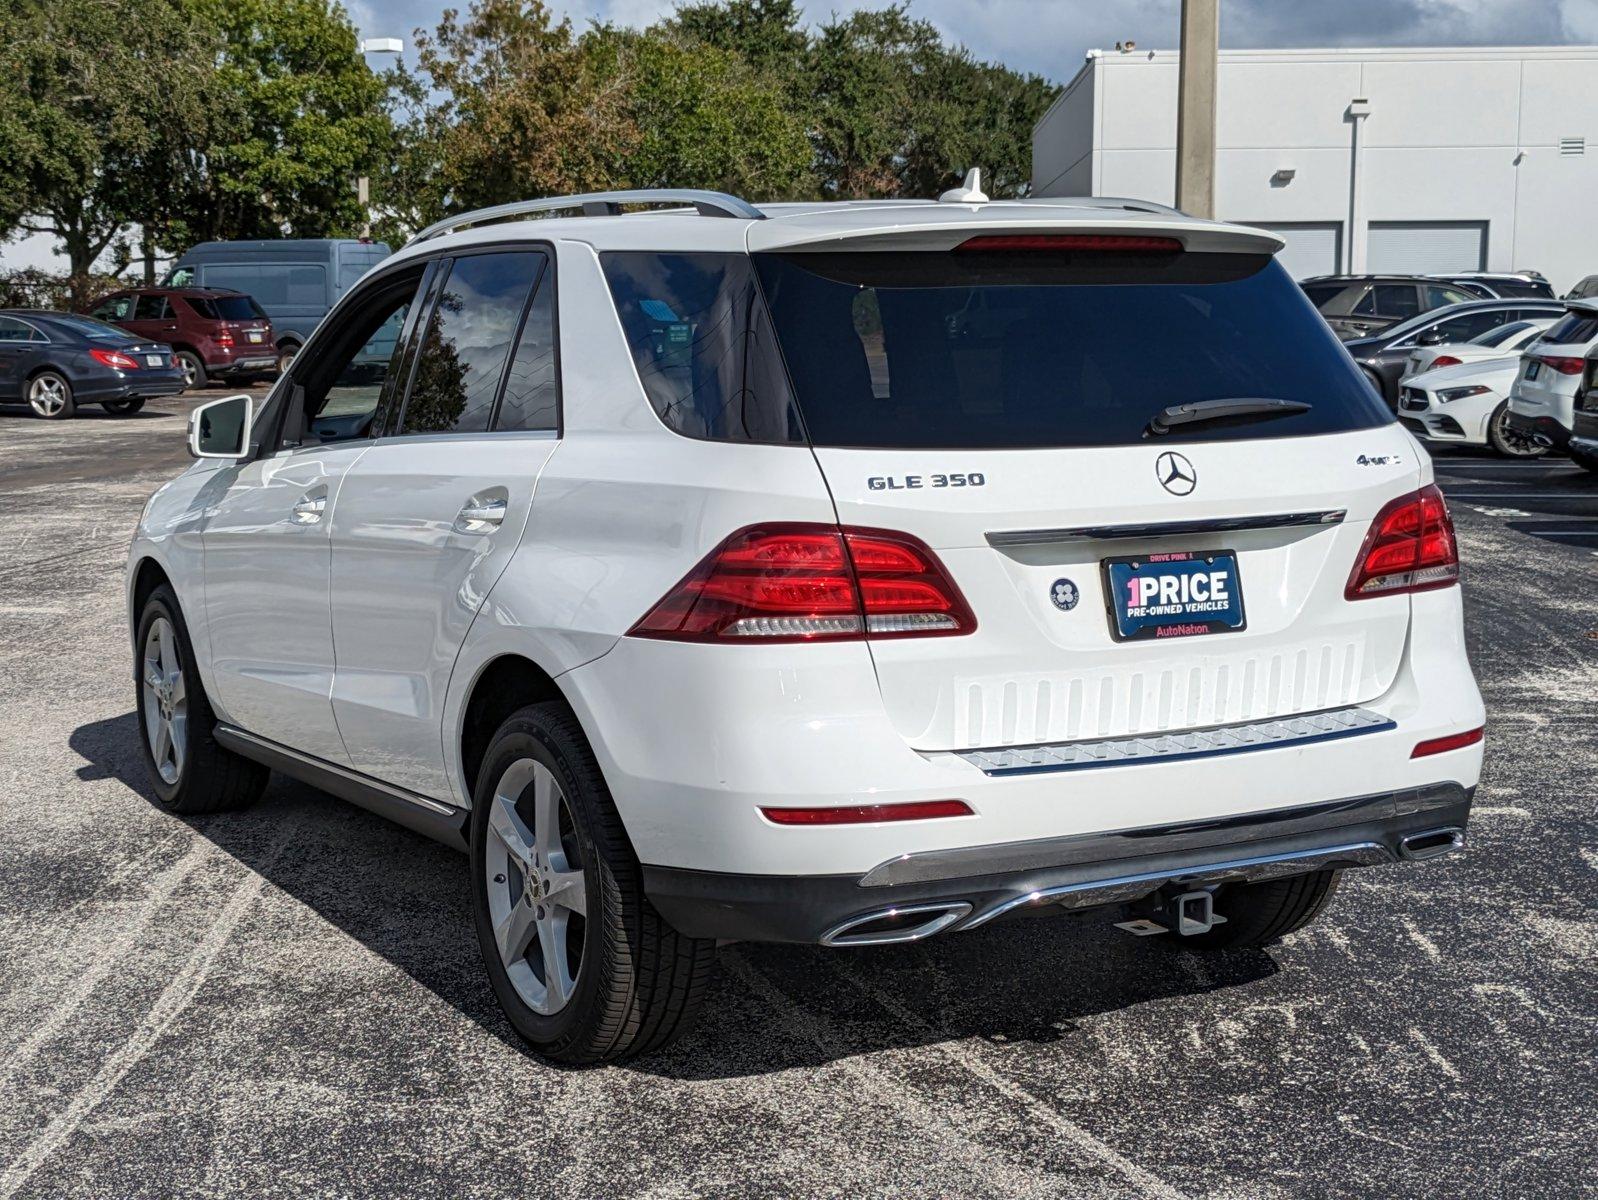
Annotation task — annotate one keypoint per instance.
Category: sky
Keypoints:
(1051, 37)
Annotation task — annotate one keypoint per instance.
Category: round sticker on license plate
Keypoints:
(1177, 593)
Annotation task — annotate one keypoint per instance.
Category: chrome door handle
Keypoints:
(481, 514)
(308, 509)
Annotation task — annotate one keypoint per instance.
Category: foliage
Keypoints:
(30, 287)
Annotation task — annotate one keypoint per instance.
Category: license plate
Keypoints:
(1177, 593)
(256, 338)
(153, 360)
(1532, 369)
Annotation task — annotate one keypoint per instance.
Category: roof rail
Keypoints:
(600, 204)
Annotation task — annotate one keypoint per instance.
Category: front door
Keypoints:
(268, 565)
(430, 517)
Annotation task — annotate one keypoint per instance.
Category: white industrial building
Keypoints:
(1419, 160)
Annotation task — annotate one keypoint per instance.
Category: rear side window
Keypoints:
(1396, 300)
(933, 350)
(275, 285)
(152, 308)
(703, 347)
(1320, 294)
(462, 354)
(1572, 328)
(225, 308)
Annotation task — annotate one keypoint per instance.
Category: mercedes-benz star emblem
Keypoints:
(1175, 473)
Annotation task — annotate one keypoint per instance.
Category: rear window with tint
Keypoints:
(226, 308)
(930, 350)
(1320, 293)
(1572, 328)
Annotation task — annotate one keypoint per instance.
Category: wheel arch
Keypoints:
(502, 685)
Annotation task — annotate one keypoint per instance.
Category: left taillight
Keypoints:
(1561, 363)
(809, 583)
(113, 358)
(1410, 547)
(1444, 360)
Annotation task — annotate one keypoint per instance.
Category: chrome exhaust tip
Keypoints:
(1418, 847)
(1543, 440)
(887, 926)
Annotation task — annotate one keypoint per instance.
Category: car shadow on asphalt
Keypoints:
(773, 1007)
(92, 412)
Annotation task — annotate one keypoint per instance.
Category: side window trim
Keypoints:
(397, 391)
(437, 274)
(545, 271)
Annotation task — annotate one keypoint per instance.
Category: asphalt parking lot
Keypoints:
(289, 1000)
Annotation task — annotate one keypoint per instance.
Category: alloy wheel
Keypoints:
(166, 704)
(1511, 441)
(47, 395)
(190, 371)
(537, 888)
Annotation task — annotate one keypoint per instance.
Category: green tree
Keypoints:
(705, 118)
(106, 117)
(311, 117)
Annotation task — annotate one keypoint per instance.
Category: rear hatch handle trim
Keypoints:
(1004, 539)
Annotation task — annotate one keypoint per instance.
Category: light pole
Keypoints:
(1195, 107)
(363, 185)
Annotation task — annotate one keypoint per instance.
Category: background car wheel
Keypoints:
(193, 369)
(583, 966)
(285, 357)
(1507, 440)
(50, 396)
(1587, 462)
(124, 408)
(1260, 913)
(190, 772)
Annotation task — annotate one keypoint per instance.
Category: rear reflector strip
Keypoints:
(1175, 747)
(868, 814)
(1442, 745)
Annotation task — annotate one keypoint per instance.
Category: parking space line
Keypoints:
(168, 1006)
(1148, 1183)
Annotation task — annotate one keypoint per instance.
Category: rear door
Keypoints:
(428, 520)
(152, 317)
(999, 407)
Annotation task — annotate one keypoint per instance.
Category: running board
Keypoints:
(441, 822)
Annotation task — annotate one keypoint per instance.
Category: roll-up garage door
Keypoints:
(1425, 247)
(1313, 248)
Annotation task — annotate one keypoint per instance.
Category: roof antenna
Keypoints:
(969, 192)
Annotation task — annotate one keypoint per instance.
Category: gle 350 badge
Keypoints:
(1179, 593)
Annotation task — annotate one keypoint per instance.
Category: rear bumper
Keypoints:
(253, 364)
(152, 384)
(919, 894)
(1540, 427)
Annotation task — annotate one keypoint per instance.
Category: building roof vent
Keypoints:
(1572, 147)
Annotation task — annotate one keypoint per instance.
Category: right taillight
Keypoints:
(1443, 360)
(808, 583)
(1565, 366)
(1410, 547)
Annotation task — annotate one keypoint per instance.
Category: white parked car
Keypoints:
(1542, 400)
(1495, 343)
(829, 573)
(1467, 404)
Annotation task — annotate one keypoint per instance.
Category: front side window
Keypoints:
(703, 347)
(1010, 349)
(1466, 326)
(117, 308)
(348, 383)
(460, 359)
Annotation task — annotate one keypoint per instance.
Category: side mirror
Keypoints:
(221, 429)
(1432, 337)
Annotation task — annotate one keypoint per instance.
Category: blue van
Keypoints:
(295, 280)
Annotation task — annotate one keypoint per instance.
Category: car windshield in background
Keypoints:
(1502, 334)
(226, 308)
(1571, 328)
(1029, 349)
(88, 327)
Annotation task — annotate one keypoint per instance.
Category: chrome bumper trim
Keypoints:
(1007, 538)
(1126, 888)
(1176, 747)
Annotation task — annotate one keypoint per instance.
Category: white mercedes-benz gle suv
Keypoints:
(842, 573)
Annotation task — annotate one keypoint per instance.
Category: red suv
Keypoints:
(214, 333)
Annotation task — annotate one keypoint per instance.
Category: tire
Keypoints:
(1258, 914)
(285, 356)
(124, 408)
(195, 774)
(636, 983)
(1375, 381)
(1506, 441)
(50, 396)
(193, 368)
(1587, 462)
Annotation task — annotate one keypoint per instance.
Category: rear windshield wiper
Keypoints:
(1199, 411)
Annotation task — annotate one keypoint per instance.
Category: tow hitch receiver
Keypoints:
(1184, 914)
